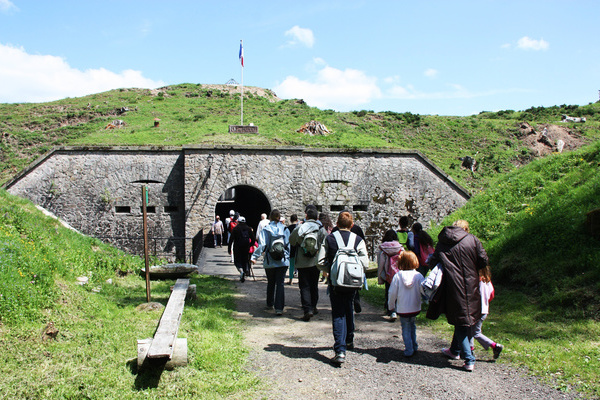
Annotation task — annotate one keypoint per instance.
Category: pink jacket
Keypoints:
(386, 251)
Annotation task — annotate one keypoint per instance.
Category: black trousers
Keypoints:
(308, 283)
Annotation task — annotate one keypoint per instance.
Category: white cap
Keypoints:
(241, 219)
(231, 212)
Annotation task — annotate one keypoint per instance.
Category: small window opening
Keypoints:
(360, 207)
(122, 209)
(149, 210)
(337, 207)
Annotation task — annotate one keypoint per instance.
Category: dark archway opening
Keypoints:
(246, 200)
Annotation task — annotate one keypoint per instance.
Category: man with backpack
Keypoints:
(274, 242)
(344, 256)
(308, 237)
(242, 239)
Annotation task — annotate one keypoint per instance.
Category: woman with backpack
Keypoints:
(340, 296)
(274, 242)
(387, 265)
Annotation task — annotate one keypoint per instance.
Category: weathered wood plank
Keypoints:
(166, 333)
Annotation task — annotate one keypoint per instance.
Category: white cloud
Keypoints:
(38, 78)
(452, 91)
(302, 36)
(341, 90)
(526, 43)
(431, 73)
(7, 5)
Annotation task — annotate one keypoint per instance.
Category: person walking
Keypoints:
(387, 265)
(405, 299)
(274, 242)
(217, 231)
(307, 238)
(342, 298)
(462, 256)
(263, 222)
(243, 236)
(487, 294)
(293, 224)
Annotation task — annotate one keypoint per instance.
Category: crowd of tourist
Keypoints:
(452, 277)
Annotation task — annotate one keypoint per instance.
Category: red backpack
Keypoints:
(232, 224)
(424, 252)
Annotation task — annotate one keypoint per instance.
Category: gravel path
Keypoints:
(293, 356)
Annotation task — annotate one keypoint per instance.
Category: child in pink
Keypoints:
(487, 294)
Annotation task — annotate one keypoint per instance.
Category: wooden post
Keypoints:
(145, 227)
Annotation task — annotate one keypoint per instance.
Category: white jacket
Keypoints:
(405, 292)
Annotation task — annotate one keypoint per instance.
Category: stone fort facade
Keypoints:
(98, 190)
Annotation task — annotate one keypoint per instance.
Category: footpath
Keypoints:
(293, 356)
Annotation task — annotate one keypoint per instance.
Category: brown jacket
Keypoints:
(462, 255)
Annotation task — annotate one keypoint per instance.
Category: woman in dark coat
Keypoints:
(462, 255)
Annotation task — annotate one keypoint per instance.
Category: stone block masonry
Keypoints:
(98, 191)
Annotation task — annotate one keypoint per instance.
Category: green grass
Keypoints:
(95, 354)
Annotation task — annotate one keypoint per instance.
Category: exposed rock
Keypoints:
(566, 118)
(49, 332)
(314, 128)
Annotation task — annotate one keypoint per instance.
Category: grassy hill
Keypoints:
(532, 223)
(193, 114)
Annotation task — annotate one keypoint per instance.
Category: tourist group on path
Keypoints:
(453, 277)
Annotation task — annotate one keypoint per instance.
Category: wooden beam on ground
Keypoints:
(166, 334)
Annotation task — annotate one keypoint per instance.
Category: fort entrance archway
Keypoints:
(247, 200)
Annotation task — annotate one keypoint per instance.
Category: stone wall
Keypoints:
(98, 191)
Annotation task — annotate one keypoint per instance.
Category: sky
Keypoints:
(425, 57)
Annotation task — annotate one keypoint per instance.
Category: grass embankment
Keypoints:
(192, 114)
(94, 354)
(545, 265)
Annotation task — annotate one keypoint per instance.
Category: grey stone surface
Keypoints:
(98, 191)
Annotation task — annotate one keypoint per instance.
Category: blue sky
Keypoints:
(426, 57)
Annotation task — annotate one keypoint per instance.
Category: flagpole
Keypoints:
(242, 96)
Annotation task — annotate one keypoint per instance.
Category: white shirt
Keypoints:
(261, 225)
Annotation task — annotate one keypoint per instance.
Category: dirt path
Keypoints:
(293, 355)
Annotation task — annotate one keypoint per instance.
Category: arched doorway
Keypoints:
(250, 202)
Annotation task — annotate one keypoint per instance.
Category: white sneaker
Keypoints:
(393, 316)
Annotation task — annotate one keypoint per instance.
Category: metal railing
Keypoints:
(171, 249)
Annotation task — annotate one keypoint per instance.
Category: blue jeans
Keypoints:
(461, 343)
(409, 335)
(275, 287)
(342, 318)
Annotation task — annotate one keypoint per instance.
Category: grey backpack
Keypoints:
(310, 242)
(346, 269)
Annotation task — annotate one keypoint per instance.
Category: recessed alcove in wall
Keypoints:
(249, 201)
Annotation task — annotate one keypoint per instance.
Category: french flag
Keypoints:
(241, 53)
